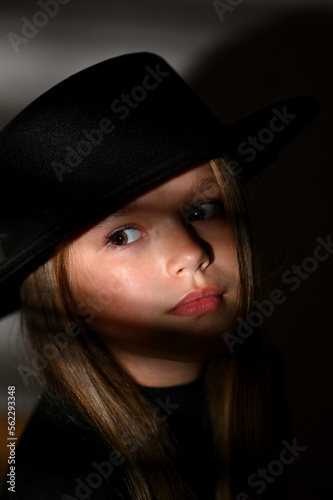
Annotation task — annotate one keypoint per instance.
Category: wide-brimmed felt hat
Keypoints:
(105, 134)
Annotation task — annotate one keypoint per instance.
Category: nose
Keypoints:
(185, 251)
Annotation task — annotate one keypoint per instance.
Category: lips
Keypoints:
(199, 302)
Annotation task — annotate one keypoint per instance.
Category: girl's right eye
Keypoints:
(125, 236)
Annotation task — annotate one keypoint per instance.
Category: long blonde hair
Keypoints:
(112, 404)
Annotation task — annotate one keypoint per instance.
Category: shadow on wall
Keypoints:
(290, 204)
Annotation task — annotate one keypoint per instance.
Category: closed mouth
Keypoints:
(197, 300)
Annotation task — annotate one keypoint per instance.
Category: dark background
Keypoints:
(262, 51)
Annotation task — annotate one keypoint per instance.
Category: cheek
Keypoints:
(223, 250)
(114, 289)
(228, 260)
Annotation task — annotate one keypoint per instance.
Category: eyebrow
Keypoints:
(119, 213)
(203, 186)
(135, 205)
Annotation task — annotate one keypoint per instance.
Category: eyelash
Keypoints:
(119, 230)
(198, 206)
(108, 239)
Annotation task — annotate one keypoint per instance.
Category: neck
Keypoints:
(154, 372)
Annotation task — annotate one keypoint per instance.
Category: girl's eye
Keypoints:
(124, 236)
(204, 211)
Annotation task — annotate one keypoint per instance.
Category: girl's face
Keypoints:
(129, 273)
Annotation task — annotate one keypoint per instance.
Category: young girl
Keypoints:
(127, 235)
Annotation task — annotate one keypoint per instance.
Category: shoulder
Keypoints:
(60, 459)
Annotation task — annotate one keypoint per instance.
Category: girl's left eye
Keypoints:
(203, 211)
(124, 236)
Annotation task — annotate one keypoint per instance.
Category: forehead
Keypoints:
(188, 187)
(189, 184)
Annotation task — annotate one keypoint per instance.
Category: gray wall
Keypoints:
(260, 52)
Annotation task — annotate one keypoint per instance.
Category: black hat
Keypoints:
(104, 135)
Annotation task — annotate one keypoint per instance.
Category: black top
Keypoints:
(57, 460)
